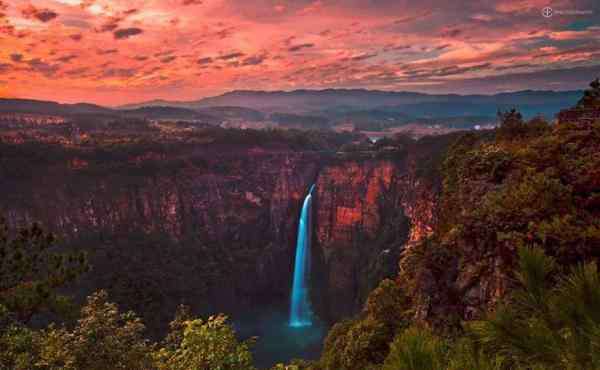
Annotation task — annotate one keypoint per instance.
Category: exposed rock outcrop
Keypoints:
(367, 210)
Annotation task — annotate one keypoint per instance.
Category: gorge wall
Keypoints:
(217, 232)
(367, 212)
(210, 231)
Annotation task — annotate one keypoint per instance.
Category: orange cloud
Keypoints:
(42, 15)
(119, 51)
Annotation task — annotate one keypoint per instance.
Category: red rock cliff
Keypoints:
(367, 210)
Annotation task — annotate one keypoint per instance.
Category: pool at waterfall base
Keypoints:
(276, 340)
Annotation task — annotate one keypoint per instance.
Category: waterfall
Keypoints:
(300, 312)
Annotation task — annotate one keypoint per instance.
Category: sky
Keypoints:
(114, 52)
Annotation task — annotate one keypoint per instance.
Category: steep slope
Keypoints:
(508, 197)
(532, 185)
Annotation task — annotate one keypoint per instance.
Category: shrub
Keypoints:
(416, 349)
(32, 271)
(545, 325)
(103, 339)
(200, 345)
(364, 343)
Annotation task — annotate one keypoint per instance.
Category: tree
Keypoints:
(545, 325)
(591, 96)
(511, 124)
(103, 339)
(19, 347)
(364, 342)
(203, 345)
(31, 271)
(416, 349)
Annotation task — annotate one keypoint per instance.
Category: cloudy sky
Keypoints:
(120, 51)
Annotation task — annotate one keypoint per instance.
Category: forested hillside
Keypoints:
(509, 278)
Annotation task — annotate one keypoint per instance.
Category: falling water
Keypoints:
(300, 313)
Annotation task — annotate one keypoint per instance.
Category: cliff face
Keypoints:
(530, 185)
(218, 231)
(366, 213)
(213, 231)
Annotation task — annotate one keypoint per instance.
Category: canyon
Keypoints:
(216, 229)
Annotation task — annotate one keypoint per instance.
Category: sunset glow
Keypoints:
(115, 52)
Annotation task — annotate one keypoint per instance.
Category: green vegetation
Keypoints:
(591, 97)
(509, 280)
(134, 155)
(102, 338)
(204, 345)
(358, 343)
(32, 271)
(105, 339)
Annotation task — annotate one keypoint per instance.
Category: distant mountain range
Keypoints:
(341, 100)
(321, 108)
(50, 108)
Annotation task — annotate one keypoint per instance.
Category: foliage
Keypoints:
(552, 326)
(416, 349)
(591, 97)
(364, 342)
(388, 305)
(106, 339)
(203, 345)
(531, 184)
(513, 126)
(102, 339)
(31, 271)
(464, 353)
(297, 365)
(526, 186)
(549, 322)
(19, 347)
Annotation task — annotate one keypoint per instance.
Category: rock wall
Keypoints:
(366, 213)
(218, 232)
(215, 233)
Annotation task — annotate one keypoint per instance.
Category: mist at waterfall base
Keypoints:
(285, 333)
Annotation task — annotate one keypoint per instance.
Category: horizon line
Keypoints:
(288, 91)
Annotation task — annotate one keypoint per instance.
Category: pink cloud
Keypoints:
(216, 45)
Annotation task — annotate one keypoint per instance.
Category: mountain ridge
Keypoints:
(314, 102)
(331, 105)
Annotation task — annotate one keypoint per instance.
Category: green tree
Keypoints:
(364, 343)
(416, 349)
(31, 271)
(545, 325)
(591, 96)
(103, 339)
(203, 345)
(511, 124)
(19, 347)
